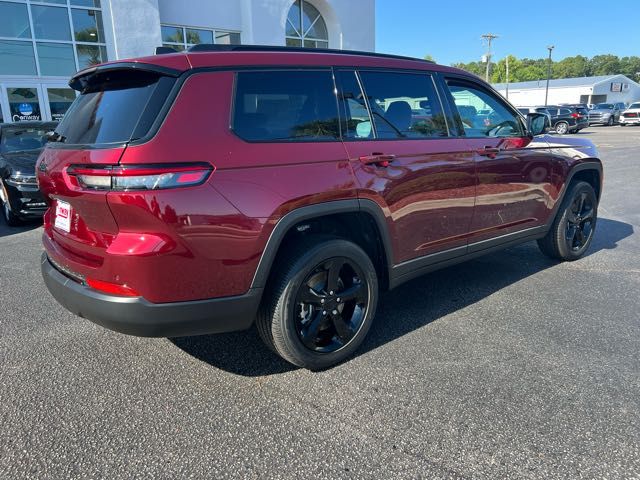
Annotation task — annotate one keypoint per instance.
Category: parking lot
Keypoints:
(508, 366)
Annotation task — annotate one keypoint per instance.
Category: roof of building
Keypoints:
(559, 83)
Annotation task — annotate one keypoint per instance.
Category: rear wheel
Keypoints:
(562, 128)
(573, 228)
(321, 303)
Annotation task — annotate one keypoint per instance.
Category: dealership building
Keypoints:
(44, 42)
(602, 89)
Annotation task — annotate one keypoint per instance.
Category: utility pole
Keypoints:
(546, 93)
(488, 38)
(507, 60)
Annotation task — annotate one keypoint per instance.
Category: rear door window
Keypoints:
(115, 107)
(286, 106)
(403, 105)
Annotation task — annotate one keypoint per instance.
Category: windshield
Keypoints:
(16, 139)
(604, 106)
(634, 105)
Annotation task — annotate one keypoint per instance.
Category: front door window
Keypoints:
(24, 104)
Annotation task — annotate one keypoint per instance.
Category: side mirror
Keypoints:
(538, 123)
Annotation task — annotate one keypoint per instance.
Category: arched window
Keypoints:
(306, 27)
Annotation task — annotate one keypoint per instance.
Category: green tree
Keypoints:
(429, 57)
(604, 65)
(571, 67)
(630, 66)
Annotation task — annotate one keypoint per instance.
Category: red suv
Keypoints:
(200, 192)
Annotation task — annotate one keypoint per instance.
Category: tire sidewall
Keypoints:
(564, 250)
(285, 316)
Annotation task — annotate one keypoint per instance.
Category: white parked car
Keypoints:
(631, 116)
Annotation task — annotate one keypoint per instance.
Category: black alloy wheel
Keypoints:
(331, 305)
(320, 301)
(580, 222)
(573, 228)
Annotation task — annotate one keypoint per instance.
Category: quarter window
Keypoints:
(286, 106)
(482, 114)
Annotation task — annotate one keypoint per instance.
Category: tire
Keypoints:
(293, 322)
(10, 218)
(573, 228)
(610, 122)
(562, 128)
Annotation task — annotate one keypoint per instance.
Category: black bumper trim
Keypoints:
(136, 316)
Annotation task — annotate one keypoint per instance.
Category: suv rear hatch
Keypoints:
(118, 103)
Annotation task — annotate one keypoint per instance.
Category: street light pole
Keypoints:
(546, 93)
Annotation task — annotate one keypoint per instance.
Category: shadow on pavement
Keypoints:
(405, 309)
(6, 230)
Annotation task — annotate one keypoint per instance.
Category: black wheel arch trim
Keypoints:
(292, 218)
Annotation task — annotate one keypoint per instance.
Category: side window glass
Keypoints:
(404, 105)
(482, 114)
(357, 123)
(286, 106)
(565, 111)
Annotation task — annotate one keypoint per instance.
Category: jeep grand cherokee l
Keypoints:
(201, 192)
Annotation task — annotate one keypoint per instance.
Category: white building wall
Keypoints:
(134, 27)
(531, 97)
(535, 96)
(136, 23)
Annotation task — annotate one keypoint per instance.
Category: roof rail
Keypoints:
(209, 47)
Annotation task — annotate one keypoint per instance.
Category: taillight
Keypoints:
(139, 177)
(575, 115)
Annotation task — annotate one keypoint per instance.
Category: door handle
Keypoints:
(491, 152)
(379, 159)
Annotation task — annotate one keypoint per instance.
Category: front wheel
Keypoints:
(562, 128)
(320, 304)
(574, 226)
(610, 122)
(10, 218)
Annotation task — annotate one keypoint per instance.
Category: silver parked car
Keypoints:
(606, 113)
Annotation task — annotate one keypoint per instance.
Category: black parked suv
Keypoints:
(20, 145)
(566, 119)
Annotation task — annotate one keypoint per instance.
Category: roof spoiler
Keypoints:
(82, 79)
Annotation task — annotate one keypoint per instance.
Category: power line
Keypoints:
(488, 38)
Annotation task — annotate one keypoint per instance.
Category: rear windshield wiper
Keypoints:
(55, 137)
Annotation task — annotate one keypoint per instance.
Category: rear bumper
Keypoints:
(136, 316)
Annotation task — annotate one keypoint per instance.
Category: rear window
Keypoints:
(286, 106)
(115, 107)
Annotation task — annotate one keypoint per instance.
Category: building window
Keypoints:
(306, 27)
(180, 38)
(54, 39)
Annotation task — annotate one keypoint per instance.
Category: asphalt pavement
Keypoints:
(508, 366)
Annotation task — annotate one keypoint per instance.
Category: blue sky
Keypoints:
(450, 30)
